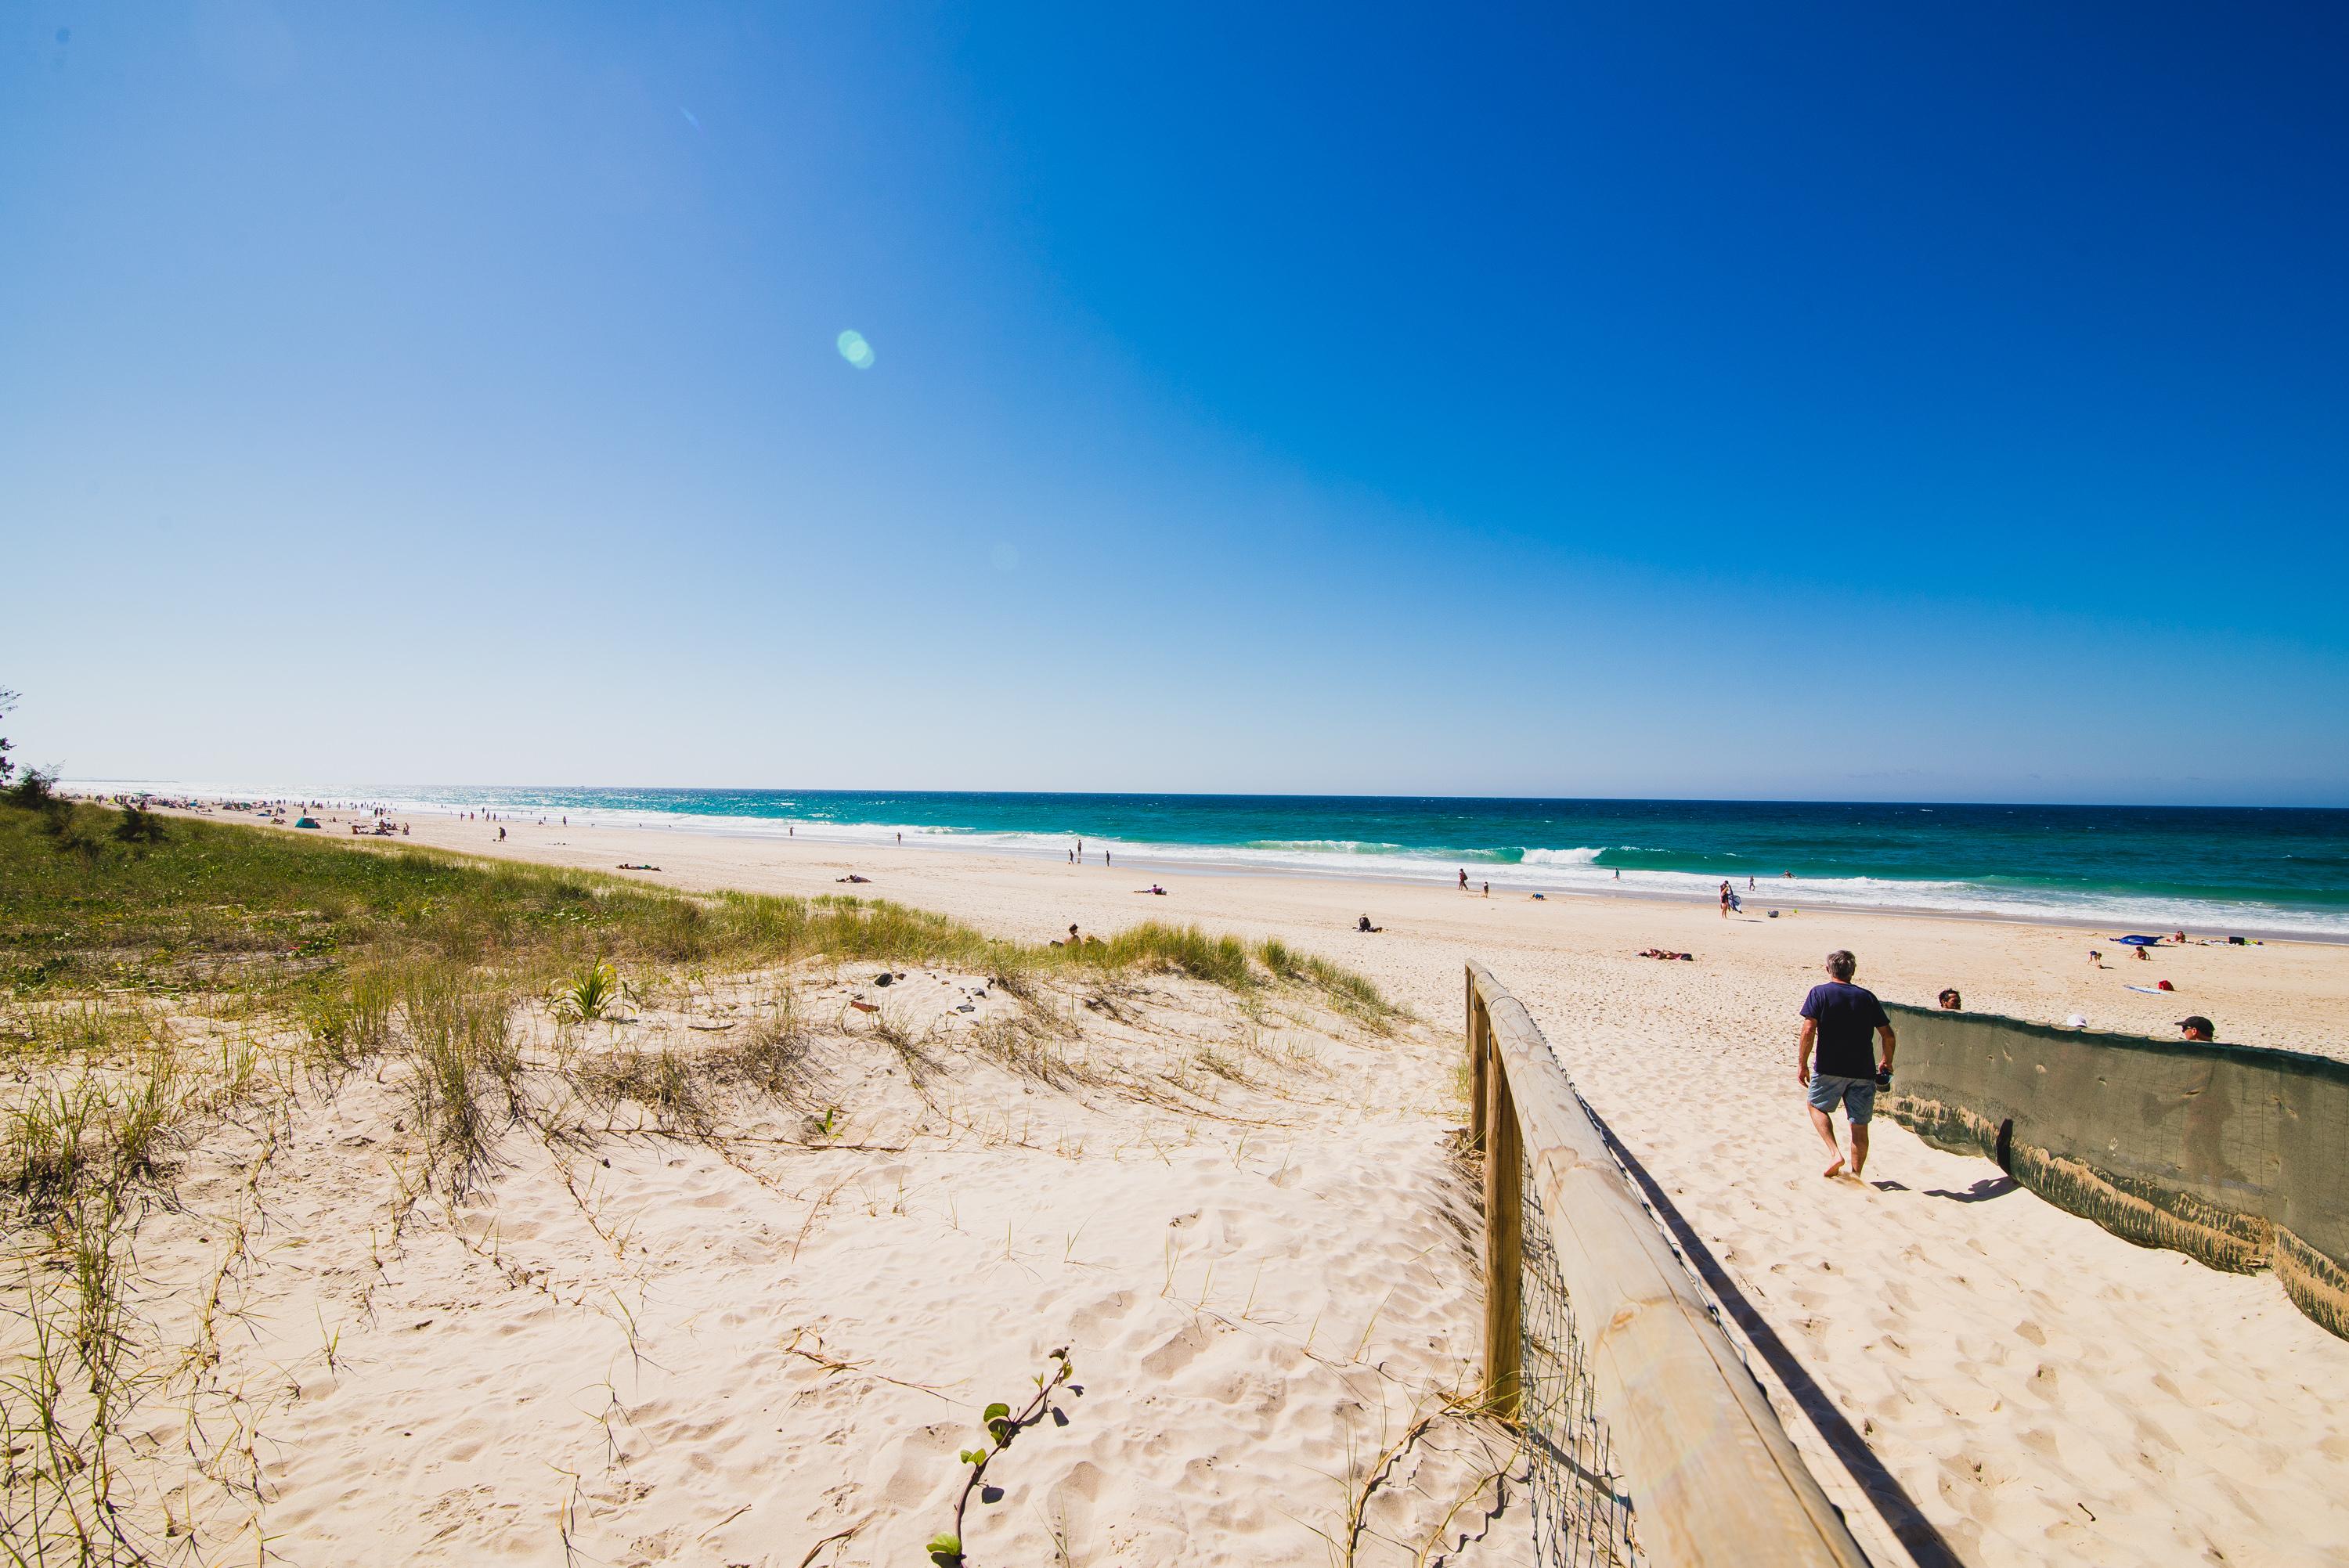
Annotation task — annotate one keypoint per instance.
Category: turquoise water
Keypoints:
(2210, 870)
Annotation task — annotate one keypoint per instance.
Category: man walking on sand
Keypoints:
(1838, 1018)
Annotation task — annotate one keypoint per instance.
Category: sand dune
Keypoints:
(2038, 1390)
(673, 1320)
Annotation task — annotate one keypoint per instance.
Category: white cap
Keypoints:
(2076, 1021)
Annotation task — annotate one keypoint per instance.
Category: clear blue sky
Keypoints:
(1856, 401)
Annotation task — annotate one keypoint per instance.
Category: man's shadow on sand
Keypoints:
(1982, 1191)
(1925, 1544)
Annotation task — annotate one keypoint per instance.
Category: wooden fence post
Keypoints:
(1504, 1243)
(1479, 1063)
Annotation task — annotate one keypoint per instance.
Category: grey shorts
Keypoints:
(1856, 1095)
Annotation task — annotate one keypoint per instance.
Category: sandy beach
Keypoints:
(739, 1261)
(2039, 1391)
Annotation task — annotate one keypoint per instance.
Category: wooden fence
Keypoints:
(1713, 1476)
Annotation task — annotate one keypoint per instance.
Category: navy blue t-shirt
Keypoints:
(1847, 1017)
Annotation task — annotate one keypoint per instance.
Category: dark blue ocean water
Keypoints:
(2156, 867)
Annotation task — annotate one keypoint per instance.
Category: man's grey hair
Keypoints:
(1842, 965)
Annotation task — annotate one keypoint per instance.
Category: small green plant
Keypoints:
(138, 827)
(35, 791)
(946, 1548)
(591, 994)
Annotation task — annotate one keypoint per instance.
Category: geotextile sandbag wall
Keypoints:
(2234, 1156)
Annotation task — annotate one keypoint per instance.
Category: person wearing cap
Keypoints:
(1839, 1020)
(2198, 1027)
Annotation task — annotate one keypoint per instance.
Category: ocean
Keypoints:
(2209, 870)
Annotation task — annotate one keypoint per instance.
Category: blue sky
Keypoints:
(1834, 401)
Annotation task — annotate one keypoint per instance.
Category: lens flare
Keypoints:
(856, 350)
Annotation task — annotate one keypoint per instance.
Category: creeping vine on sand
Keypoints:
(946, 1548)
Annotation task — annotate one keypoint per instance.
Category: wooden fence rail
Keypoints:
(1712, 1476)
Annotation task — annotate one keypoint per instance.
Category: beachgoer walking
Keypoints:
(1464, 879)
(1724, 898)
(1838, 1018)
(501, 835)
(1488, 890)
(2198, 1027)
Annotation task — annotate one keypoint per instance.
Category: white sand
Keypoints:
(2039, 1391)
(730, 1349)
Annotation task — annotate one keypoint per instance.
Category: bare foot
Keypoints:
(1834, 1170)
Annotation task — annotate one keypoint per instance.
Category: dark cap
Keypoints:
(2199, 1022)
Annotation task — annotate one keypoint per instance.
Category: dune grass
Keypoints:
(161, 976)
(305, 919)
(369, 951)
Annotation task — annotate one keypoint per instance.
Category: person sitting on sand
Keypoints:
(1364, 925)
(1952, 1002)
(1838, 1018)
(2144, 955)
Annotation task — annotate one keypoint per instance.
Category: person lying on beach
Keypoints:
(1364, 925)
(1661, 953)
(853, 877)
(1153, 887)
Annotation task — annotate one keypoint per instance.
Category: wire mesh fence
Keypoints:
(1582, 1514)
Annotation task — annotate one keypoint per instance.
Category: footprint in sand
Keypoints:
(1177, 1354)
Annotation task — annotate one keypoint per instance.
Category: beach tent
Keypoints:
(313, 821)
